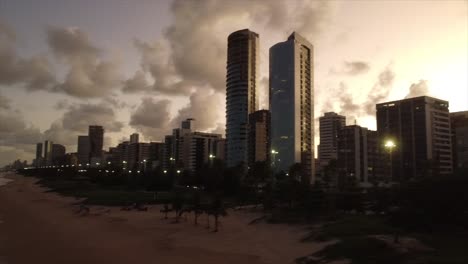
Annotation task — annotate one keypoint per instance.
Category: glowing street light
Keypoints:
(178, 171)
(165, 171)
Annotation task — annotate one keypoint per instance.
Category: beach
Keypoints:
(43, 227)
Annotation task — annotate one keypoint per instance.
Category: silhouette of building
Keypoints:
(71, 159)
(459, 125)
(48, 152)
(38, 160)
(420, 129)
(96, 141)
(259, 137)
(330, 124)
(357, 154)
(197, 149)
(83, 150)
(291, 105)
(156, 154)
(58, 154)
(220, 149)
(134, 138)
(241, 93)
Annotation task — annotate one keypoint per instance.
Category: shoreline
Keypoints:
(44, 222)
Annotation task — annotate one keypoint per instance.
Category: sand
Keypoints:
(40, 227)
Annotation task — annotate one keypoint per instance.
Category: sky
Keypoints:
(143, 66)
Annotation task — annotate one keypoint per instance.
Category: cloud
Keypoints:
(80, 116)
(33, 73)
(152, 118)
(418, 89)
(138, 83)
(4, 102)
(352, 68)
(205, 107)
(379, 91)
(88, 75)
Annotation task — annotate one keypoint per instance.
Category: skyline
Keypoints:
(68, 106)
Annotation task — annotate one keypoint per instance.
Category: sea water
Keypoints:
(3, 181)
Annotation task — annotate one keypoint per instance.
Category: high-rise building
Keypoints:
(156, 154)
(259, 136)
(134, 138)
(291, 105)
(330, 124)
(38, 160)
(58, 154)
(48, 152)
(96, 141)
(241, 93)
(459, 124)
(83, 150)
(420, 130)
(197, 149)
(220, 149)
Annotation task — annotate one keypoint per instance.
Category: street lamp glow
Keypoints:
(390, 144)
(212, 156)
(165, 171)
(178, 171)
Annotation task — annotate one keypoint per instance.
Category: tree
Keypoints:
(217, 209)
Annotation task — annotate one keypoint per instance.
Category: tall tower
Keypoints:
(330, 125)
(48, 152)
(241, 93)
(292, 105)
(96, 140)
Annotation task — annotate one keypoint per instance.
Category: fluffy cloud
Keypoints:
(88, 75)
(4, 102)
(352, 68)
(205, 108)
(192, 54)
(33, 73)
(152, 118)
(79, 117)
(418, 89)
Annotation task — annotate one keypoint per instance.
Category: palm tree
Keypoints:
(217, 209)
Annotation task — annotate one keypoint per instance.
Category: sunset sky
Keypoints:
(142, 66)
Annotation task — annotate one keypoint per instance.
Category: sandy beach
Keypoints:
(40, 227)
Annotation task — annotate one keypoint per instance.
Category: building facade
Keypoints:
(96, 141)
(134, 138)
(259, 137)
(241, 93)
(459, 125)
(329, 126)
(420, 129)
(47, 153)
(291, 105)
(83, 150)
(58, 154)
(38, 160)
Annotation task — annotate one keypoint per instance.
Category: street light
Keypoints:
(389, 145)
(165, 171)
(274, 152)
(178, 171)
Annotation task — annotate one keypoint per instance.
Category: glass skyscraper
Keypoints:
(241, 93)
(291, 106)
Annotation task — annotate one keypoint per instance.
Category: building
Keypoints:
(420, 130)
(71, 159)
(58, 154)
(156, 154)
(96, 141)
(83, 150)
(38, 160)
(168, 155)
(198, 149)
(259, 137)
(220, 149)
(241, 93)
(459, 125)
(291, 105)
(134, 138)
(47, 153)
(138, 155)
(329, 126)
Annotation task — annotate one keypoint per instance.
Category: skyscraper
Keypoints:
(241, 93)
(83, 150)
(291, 105)
(38, 161)
(96, 140)
(459, 124)
(330, 124)
(134, 138)
(420, 130)
(48, 152)
(58, 154)
(259, 136)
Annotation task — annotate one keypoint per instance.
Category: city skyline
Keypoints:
(38, 102)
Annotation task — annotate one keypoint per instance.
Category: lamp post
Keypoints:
(211, 159)
(389, 145)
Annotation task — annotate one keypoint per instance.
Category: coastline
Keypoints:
(43, 228)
